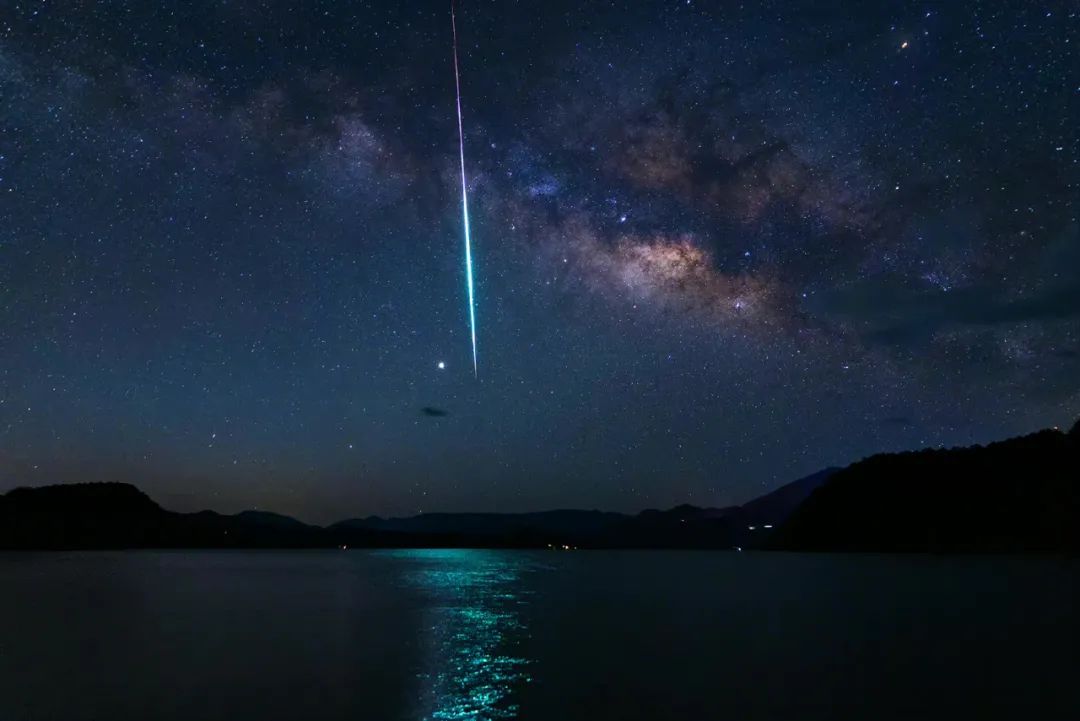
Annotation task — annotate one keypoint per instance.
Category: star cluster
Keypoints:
(718, 246)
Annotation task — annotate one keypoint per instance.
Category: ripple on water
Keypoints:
(471, 632)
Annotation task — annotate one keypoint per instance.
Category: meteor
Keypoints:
(464, 200)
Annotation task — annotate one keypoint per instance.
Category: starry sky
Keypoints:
(718, 246)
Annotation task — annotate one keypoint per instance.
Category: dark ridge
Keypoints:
(106, 515)
(1017, 496)
(269, 519)
(776, 506)
(114, 497)
(1021, 495)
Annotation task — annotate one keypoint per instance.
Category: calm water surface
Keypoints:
(466, 634)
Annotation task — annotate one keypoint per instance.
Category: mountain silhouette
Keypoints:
(1016, 496)
(1021, 495)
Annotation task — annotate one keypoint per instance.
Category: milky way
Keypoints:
(724, 246)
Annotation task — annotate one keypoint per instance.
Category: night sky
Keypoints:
(718, 246)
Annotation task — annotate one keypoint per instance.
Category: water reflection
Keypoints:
(472, 631)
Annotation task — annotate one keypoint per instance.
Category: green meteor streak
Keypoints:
(465, 201)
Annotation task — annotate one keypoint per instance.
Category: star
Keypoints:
(714, 245)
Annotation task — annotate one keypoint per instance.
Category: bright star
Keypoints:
(441, 365)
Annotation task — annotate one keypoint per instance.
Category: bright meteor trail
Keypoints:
(464, 200)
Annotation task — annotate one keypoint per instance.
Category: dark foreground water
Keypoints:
(502, 634)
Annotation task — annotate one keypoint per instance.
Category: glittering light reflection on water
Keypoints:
(472, 631)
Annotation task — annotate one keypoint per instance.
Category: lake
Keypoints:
(476, 634)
